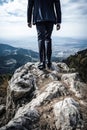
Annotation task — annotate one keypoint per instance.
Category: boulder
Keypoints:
(73, 81)
(67, 115)
(25, 121)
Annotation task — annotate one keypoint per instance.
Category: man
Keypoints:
(46, 13)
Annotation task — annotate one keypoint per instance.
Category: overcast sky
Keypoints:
(13, 19)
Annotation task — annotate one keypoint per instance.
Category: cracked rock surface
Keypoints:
(45, 100)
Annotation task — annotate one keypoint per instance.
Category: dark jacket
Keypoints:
(44, 10)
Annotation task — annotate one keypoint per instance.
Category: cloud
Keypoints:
(13, 11)
(13, 18)
(74, 10)
(16, 10)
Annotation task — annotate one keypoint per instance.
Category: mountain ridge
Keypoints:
(11, 58)
(79, 62)
(52, 99)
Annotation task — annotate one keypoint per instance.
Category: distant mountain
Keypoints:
(11, 58)
(79, 61)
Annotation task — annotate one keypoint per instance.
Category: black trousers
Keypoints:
(44, 31)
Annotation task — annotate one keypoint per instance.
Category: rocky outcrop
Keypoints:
(67, 115)
(44, 100)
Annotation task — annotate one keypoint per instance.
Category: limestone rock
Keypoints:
(21, 84)
(67, 115)
(2, 115)
(2, 109)
(43, 100)
(73, 81)
(20, 90)
(25, 121)
(53, 90)
(63, 67)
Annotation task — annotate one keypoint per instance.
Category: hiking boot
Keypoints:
(41, 65)
(49, 64)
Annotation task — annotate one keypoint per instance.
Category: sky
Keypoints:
(13, 19)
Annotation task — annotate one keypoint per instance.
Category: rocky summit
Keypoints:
(52, 99)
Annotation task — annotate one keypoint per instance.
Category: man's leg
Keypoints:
(41, 43)
(49, 29)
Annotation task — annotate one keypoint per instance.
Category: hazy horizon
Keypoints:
(61, 46)
(32, 40)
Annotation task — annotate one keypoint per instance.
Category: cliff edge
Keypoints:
(46, 100)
